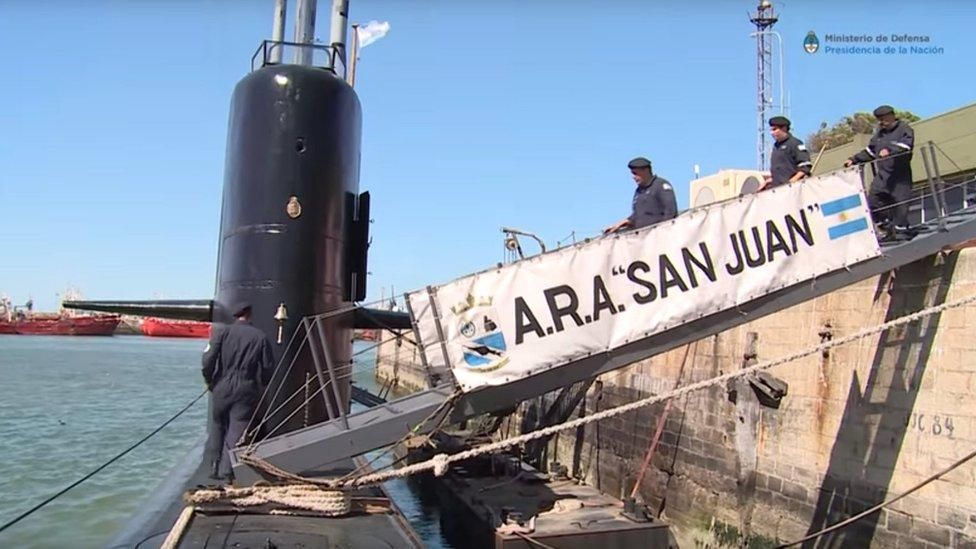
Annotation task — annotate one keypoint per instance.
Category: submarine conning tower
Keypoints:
(293, 224)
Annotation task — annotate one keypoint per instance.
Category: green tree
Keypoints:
(843, 131)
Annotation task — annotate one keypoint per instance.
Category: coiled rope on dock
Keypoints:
(330, 503)
(440, 463)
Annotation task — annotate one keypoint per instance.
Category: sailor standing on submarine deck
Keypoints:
(653, 202)
(237, 366)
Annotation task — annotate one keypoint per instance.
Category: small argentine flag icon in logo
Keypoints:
(811, 43)
(844, 216)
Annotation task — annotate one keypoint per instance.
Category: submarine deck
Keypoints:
(150, 527)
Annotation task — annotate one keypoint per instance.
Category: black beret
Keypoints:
(242, 309)
(639, 162)
(779, 121)
(883, 110)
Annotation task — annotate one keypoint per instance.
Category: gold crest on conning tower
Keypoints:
(293, 208)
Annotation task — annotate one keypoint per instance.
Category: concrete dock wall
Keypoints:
(398, 362)
(860, 424)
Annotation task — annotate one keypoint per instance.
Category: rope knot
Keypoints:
(440, 464)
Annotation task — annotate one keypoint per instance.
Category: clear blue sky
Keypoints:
(476, 115)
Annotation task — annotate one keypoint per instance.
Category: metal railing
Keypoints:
(937, 199)
(328, 376)
(936, 184)
(270, 51)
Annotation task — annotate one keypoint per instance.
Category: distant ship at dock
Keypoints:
(57, 324)
(22, 320)
(161, 327)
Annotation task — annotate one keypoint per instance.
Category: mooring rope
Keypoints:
(332, 503)
(117, 457)
(346, 480)
(327, 496)
(440, 463)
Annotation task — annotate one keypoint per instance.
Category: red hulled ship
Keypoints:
(22, 320)
(55, 324)
(160, 327)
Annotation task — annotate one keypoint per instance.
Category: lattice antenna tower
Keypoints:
(764, 19)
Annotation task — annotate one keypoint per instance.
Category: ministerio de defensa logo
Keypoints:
(811, 43)
(871, 44)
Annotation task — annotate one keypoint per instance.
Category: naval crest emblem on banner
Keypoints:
(479, 335)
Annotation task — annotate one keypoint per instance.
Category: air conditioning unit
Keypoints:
(724, 185)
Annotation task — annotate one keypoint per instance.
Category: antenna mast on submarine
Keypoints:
(764, 19)
(337, 33)
(305, 31)
(278, 30)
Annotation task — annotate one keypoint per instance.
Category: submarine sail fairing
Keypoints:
(294, 226)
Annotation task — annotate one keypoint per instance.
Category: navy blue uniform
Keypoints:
(237, 366)
(892, 175)
(653, 203)
(789, 156)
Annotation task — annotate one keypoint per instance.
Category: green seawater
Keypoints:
(69, 404)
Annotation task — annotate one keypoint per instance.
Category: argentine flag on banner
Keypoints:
(844, 216)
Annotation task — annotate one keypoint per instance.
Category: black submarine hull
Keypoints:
(293, 236)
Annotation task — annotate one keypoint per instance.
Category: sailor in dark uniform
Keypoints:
(237, 366)
(653, 202)
(790, 160)
(890, 149)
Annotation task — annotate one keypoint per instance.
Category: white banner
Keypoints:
(540, 313)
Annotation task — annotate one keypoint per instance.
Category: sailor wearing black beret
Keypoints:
(639, 162)
(790, 160)
(237, 366)
(243, 308)
(883, 110)
(890, 149)
(653, 201)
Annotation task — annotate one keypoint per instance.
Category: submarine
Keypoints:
(293, 242)
(294, 226)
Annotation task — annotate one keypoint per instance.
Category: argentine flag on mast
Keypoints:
(844, 216)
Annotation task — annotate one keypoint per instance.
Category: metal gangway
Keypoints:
(942, 228)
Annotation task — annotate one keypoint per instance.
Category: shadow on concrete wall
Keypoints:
(873, 427)
(578, 468)
(558, 410)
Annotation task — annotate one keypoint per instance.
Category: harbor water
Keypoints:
(69, 404)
